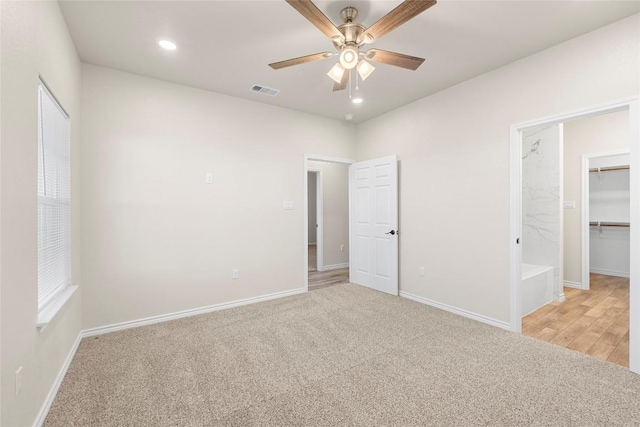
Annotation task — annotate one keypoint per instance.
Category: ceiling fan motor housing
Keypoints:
(350, 30)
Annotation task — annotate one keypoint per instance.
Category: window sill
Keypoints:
(49, 312)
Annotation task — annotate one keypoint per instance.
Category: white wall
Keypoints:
(335, 207)
(590, 135)
(35, 41)
(312, 183)
(454, 160)
(157, 239)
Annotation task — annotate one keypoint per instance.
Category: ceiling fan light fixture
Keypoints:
(357, 100)
(365, 69)
(349, 57)
(336, 73)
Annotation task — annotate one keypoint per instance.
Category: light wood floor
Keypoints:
(595, 322)
(313, 258)
(324, 279)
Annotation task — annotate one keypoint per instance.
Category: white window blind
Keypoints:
(54, 197)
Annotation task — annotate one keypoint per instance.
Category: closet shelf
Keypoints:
(609, 168)
(609, 224)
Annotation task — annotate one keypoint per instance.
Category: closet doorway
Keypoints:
(575, 252)
(606, 224)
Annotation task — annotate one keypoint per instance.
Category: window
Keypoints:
(54, 199)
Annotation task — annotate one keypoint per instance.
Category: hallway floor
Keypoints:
(324, 279)
(594, 322)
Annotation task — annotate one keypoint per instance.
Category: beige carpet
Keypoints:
(343, 355)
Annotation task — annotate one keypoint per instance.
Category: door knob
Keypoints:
(392, 232)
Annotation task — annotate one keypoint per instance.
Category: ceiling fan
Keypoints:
(350, 37)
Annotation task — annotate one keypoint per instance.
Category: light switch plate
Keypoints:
(287, 206)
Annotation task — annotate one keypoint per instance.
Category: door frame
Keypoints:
(318, 158)
(515, 252)
(319, 218)
(584, 214)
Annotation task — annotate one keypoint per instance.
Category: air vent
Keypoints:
(264, 90)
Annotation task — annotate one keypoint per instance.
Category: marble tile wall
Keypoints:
(541, 226)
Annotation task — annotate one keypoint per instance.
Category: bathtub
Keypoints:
(537, 287)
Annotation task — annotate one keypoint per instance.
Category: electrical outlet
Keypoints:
(208, 178)
(421, 271)
(235, 274)
(341, 248)
(18, 380)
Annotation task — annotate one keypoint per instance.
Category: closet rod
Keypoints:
(609, 168)
(609, 224)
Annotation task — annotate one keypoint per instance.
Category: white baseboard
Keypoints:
(609, 272)
(335, 266)
(44, 410)
(186, 313)
(561, 298)
(458, 311)
(575, 285)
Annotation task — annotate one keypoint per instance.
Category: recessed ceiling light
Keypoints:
(357, 100)
(167, 44)
(348, 117)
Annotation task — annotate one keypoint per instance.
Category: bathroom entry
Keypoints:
(328, 223)
(576, 235)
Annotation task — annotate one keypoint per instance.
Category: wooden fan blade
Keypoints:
(316, 17)
(343, 83)
(392, 20)
(300, 60)
(396, 59)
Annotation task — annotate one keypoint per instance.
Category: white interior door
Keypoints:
(374, 224)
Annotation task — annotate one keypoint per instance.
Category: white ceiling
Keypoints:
(225, 46)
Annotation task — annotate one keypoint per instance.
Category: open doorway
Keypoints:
(314, 226)
(327, 223)
(575, 186)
